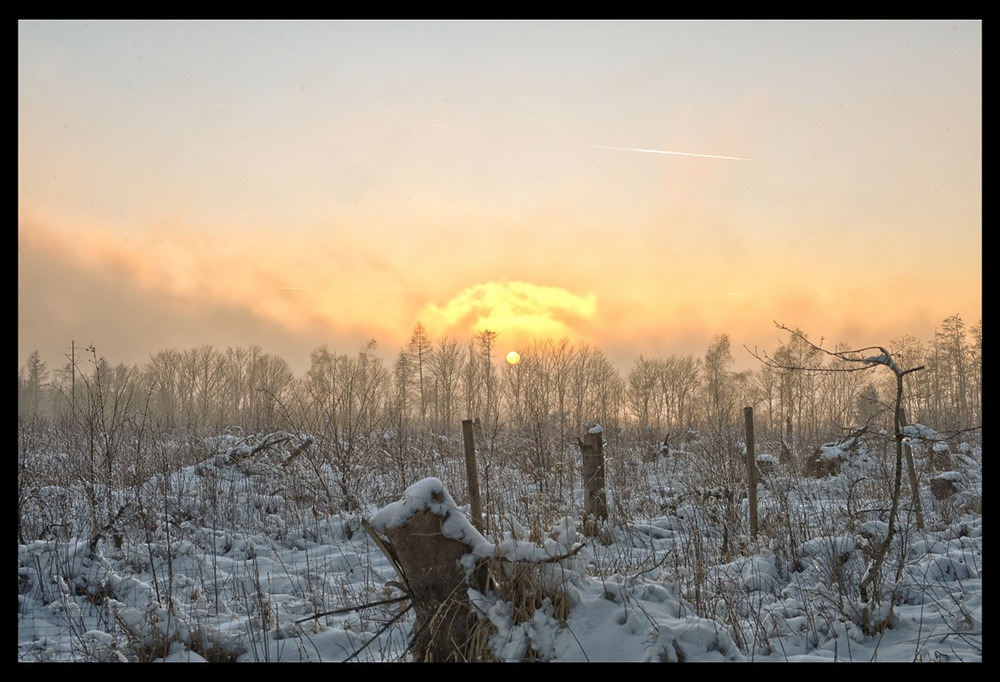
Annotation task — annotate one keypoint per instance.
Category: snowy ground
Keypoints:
(282, 586)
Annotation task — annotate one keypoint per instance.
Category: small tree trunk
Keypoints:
(911, 467)
(874, 571)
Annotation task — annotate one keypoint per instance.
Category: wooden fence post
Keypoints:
(472, 474)
(751, 471)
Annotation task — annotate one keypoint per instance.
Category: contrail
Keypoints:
(660, 151)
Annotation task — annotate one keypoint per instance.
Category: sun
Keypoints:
(513, 357)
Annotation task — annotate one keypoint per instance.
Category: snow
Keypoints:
(919, 431)
(265, 592)
(430, 495)
(831, 451)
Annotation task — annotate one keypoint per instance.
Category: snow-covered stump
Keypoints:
(941, 457)
(437, 583)
(429, 536)
(475, 600)
(945, 485)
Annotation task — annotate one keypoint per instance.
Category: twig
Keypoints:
(359, 607)
(388, 551)
(379, 633)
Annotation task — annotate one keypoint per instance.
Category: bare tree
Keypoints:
(33, 384)
(860, 360)
(975, 381)
(563, 357)
(272, 379)
(415, 369)
(797, 389)
(610, 393)
(680, 377)
(163, 378)
(446, 368)
(581, 385)
(204, 370)
(596, 391)
(951, 375)
(767, 381)
(486, 342)
(643, 395)
(471, 389)
(101, 424)
(342, 403)
(721, 387)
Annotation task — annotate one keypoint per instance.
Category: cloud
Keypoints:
(136, 295)
(519, 311)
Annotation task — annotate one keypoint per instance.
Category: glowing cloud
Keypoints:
(517, 310)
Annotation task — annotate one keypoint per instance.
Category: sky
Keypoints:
(643, 186)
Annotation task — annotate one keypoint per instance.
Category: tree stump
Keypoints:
(595, 495)
(941, 457)
(944, 486)
(429, 539)
(441, 558)
(438, 587)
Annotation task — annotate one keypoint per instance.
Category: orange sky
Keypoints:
(289, 184)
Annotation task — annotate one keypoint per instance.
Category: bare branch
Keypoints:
(864, 357)
(351, 609)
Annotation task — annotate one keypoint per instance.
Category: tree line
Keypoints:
(433, 384)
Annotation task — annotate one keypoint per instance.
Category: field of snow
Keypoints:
(231, 559)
